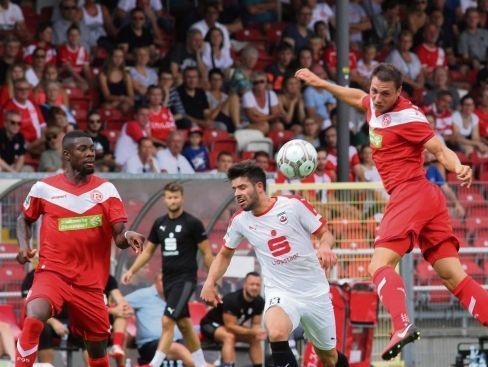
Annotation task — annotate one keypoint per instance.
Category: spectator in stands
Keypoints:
(39, 94)
(124, 7)
(194, 99)
(130, 134)
(58, 117)
(330, 138)
(386, 24)
(261, 105)
(215, 55)
(446, 33)
(368, 172)
(224, 109)
(34, 73)
(7, 342)
(262, 160)
(144, 161)
(416, 16)
(9, 57)
(188, 55)
(98, 20)
(298, 33)
(304, 58)
(225, 160)
(408, 63)
(311, 132)
(366, 64)
(482, 113)
(12, 21)
(465, 124)
(149, 305)
(74, 61)
(429, 54)
(473, 41)
(240, 77)
(11, 142)
(440, 79)
(324, 173)
(142, 75)
(321, 13)
(104, 160)
(210, 16)
(70, 15)
(435, 176)
(43, 40)
(259, 12)
(170, 160)
(319, 102)
(441, 109)
(172, 99)
(136, 34)
(32, 120)
(195, 151)
(161, 121)
(15, 72)
(330, 61)
(292, 105)
(358, 22)
(116, 84)
(317, 45)
(280, 70)
(51, 158)
(55, 99)
(225, 323)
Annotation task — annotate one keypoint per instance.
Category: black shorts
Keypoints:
(208, 329)
(177, 296)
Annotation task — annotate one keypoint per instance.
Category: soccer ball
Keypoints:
(297, 159)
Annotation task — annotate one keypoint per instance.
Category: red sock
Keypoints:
(28, 342)
(99, 362)
(118, 338)
(473, 298)
(389, 285)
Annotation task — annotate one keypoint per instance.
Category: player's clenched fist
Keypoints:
(25, 255)
(327, 257)
(136, 241)
(210, 296)
(126, 277)
(308, 77)
(465, 175)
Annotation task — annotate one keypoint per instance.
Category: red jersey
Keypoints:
(332, 158)
(431, 58)
(76, 58)
(443, 120)
(76, 229)
(161, 123)
(397, 139)
(51, 54)
(483, 124)
(330, 58)
(32, 120)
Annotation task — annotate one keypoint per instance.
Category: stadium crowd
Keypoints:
(167, 90)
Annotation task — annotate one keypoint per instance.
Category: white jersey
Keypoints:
(281, 239)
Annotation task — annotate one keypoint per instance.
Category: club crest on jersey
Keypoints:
(386, 120)
(282, 217)
(96, 196)
(375, 139)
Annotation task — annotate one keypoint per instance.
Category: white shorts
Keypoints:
(315, 314)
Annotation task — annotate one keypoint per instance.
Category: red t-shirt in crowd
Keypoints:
(32, 120)
(161, 123)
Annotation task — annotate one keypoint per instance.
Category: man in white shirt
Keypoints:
(12, 20)
(145, 160)
(211, 14)
(171, 160)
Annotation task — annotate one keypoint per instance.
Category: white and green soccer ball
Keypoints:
(297, 159)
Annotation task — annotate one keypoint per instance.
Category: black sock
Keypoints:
(231, 364)
(342, 360)
(282, 355)
(257, 365)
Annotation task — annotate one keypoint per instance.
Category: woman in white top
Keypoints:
(223, 108)
(34, 73)
(261, 105)
(366, 65)
(369, 173)
(215, 55)
(466, 127)
(142, 75)
(98, 20)
(408, 63)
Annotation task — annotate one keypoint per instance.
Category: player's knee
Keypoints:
(229, 338)
(277, 334)
(39, 308)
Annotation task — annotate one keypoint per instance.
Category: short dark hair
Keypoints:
(465, 97)
(252, 274)
(137, 9)
(249, 170)
(284, 46)
(189, 68)
(72, 135)
(224, 152)
(261, 153)
(388, 73)
(216, 71)
(173, 186)
(73, 27)
(442, 93)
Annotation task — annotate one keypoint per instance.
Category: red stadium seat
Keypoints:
(250, 35)
(451, 177)
(9, 248)
(346, 227)
(213, 155)
(274, 32)
(425, 272)
(197, 311)
(280, 137)
(76, 93)
(209, 135)
(481, 242)
(228, 144)
(470, 198)
(471, 268)
(478, 210)
(475, 224)
(357, 269)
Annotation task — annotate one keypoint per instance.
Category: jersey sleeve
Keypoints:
(199, 232)
(32, 207)
(365, 102)
(134, 131)
(153, 234)
(417, 132)
(117, 212)
(233, 236)
(229, 306)
(260, 306)
(308, 216)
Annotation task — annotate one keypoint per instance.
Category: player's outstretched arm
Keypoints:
(327, 257)
(124, 239)
(449, 160)
(218, 268)
(24, 234)
(351, 96)
(141, 260)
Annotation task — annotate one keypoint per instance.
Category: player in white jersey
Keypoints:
(295, 285)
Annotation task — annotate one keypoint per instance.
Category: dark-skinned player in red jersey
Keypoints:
(82, 213)
(399, 132)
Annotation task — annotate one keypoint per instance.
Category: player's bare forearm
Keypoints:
(24, 232)
(124, 239)
(351, 96)
(327, 257)
(143, 258)
(219, 265)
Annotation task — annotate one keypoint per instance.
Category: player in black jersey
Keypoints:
(181, 236)
(224, 323)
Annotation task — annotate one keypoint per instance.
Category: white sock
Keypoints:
(158, 359)
(198, 358)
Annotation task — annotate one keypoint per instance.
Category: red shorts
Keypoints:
(417, 215)
(88, 314)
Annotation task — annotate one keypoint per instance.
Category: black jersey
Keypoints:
(179, 239)
(235, 304)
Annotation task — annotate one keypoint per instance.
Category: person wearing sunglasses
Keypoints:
(70, 14)
(11, 143)
(104, 159)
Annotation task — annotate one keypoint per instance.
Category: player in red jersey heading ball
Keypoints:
(399, 132)
(81, 214)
